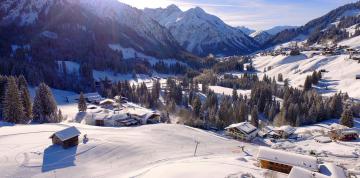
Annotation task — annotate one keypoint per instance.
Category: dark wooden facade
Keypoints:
(99, 122)
(275, 166)
(71, 142)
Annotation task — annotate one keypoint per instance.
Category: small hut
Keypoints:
(66, 138)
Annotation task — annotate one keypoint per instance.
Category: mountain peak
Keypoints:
(173, 7)
(197, 10)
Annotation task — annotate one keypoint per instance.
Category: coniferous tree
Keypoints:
(82, 103)
(3, 81)
(255, 116)
(347, 118)
(234, 94)
(60, 116)
(196, 106)
(243, 116)
(45, 107)
(13, 109)
(280, 77)
(27, 104)
(25, 98)
(308, 83)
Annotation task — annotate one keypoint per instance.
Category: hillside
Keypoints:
(340, 76)
(92, 25)
(202, 33)
(315, 26)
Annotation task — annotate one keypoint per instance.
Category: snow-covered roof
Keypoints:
(327, 170)
(287, 158)
(323, 139)
(106, 101)
(297, 172)
(336, 126)
(243, 126)
(332, 170)
(286, 128)
(67, 133)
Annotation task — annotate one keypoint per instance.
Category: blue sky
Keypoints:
(256, 14)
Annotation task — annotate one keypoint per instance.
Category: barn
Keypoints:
(282, 161)
(67, 138)
(243, 131)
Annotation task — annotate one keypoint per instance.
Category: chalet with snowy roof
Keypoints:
(283, 161)
(328, 170)
(278, 132)
(243, 131)
(67, 138)
(108, 103)
(344, 134)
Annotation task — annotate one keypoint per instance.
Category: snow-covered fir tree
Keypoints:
(13, 109)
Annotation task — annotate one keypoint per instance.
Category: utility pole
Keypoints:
(196, 146)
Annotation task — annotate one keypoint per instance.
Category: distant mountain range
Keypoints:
(89, 30)
(246, 30)
(82, 28)
(201, 33)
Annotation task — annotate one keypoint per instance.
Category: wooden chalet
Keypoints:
(283, 161)
(242, 131)
(107, 103)
(344, 134)
(278, 132)
(66, 138)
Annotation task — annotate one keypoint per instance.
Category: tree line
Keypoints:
(16, 105)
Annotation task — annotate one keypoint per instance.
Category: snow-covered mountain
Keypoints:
(202, 33)
(322, 27)
(277, 29)
(75, 26)
(246, 30)
(261, 36)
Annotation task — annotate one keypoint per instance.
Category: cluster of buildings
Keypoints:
(246, 131)
(116, 112)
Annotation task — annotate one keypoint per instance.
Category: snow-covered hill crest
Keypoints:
(202, 33)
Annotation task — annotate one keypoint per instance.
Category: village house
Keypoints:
(327, 170)
(108, 103)
(67, 138)
(242, 131)
(283, 161)
(278, 132)
(344, 134)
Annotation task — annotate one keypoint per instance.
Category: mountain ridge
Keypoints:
(188, 29)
